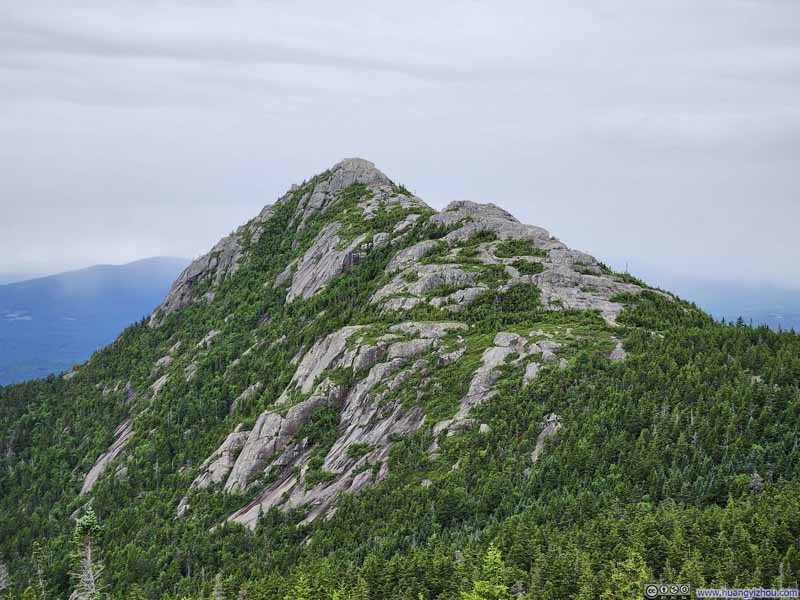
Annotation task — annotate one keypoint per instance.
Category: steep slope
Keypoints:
(50, 323)
(356, 387)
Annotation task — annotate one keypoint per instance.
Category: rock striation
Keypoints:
(368, 418)
(550, 427)
(122, 436)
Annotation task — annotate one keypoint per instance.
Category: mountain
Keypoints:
(50, 323)
(356, 396)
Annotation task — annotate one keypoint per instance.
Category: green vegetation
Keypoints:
(480, 237)
(526, 267)
(358, 450)
(320, 432)
(628, 278)
(518, 247)
(679, 463)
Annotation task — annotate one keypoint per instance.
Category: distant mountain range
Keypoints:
(50, 323)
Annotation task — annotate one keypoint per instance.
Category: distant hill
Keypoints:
(6, 278)
(775, 306)
(50, 323)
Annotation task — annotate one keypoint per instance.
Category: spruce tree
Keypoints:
(88, 575)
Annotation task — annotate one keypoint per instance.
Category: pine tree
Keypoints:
(586, 580)
(135, 593)
(627, 579)
(89, 574)
(301, 590)
(360, 590)
(692, 571)
(491, 585)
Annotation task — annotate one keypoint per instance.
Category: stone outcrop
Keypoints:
(246, 395)
(476, 218)
(319, 359)
(531, 372)
(568, 278)
(330, 254)
(226, 257)
(480, 387)
(208, 339)
(324, 260)
(213, 267)
(339, 178)
(369, 418)
(158, 384)
(122, 436)
(270, 436)
(550, 427)
(618, 354)
(216, 468)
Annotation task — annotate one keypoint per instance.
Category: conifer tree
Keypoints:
(88, 575)
(301, 590)
(491, 585)
(627, 579)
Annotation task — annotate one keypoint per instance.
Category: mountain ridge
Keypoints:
(328, 256)
(355, 393)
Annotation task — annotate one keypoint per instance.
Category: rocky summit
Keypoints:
(440, 263)
(356, 396)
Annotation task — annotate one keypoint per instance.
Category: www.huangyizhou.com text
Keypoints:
(683, 591)
(747, 593)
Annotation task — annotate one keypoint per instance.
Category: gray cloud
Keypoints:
(664, 132)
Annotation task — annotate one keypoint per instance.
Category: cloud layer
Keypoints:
(664, 132)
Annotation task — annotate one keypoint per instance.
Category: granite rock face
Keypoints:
(618, 354)
(213, 267)
(324, 261)
(480, 389)
(568, 278)
(369, 418)
(475, 218)
(342, 175)
(122, 436)
(216, 468)
(331, 254)
(550, 427)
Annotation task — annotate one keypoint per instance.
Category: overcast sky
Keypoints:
(664, 133)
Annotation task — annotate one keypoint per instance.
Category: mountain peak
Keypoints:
(348, 204)
(415, 275)
(361, 171)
